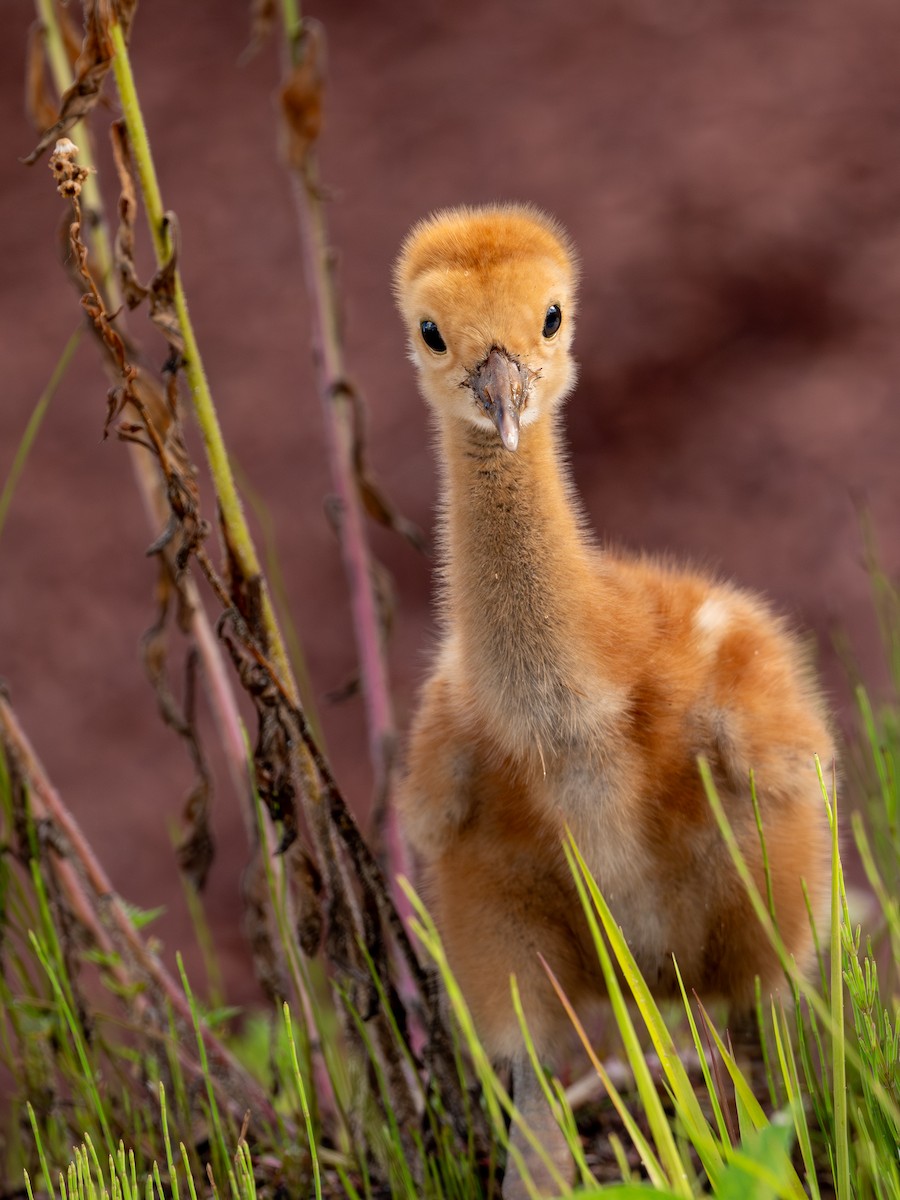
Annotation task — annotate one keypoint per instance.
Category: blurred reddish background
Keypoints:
(731, 174)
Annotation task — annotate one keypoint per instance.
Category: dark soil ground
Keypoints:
(731, 175)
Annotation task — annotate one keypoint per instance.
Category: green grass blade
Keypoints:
(170, 1161)
(838, 1052)
(403, 1184)
(789, 1074)
(185, 1158)
(78, 1043)
(558, 1106)
(594, 905)
(42, 1157)
(711, 1090)
(304, 1103)
(218, 1145)
(683, 1094)
(426, 932)
(652, 1165)
(34, 425)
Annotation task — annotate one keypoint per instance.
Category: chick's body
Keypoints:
(575, 686)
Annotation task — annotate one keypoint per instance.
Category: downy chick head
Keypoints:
(488, 299)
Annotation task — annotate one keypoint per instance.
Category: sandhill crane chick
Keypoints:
(574, 686)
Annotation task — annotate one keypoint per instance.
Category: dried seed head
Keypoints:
(69, 174)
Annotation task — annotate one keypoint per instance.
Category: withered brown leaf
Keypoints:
(196, 849)
(262, 19)
(70, 35)
(132, 288)
(90, 72)
(38, 101)
(162, 292)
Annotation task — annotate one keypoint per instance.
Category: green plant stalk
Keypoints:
(233, 1184)
(440, 1162)
(127, 1173)
(754, 1116)
(843, 1051)
(290, 15)
(245, 1168)
(50, 933)
(792, 973)
(232, 513)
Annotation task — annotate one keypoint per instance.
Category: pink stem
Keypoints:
(338, 399)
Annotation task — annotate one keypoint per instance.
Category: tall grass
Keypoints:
(834, 1128)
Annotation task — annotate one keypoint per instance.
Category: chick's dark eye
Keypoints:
(552, 321)
(431, 336)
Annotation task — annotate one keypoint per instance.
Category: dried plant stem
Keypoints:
(62, 78)
(99, 908)
(151, 484)
(232, 514)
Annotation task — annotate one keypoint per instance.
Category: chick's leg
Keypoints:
(530, 1101)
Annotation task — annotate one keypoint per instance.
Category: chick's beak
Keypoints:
(500, 385)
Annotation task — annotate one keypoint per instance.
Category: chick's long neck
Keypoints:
(519, 576)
